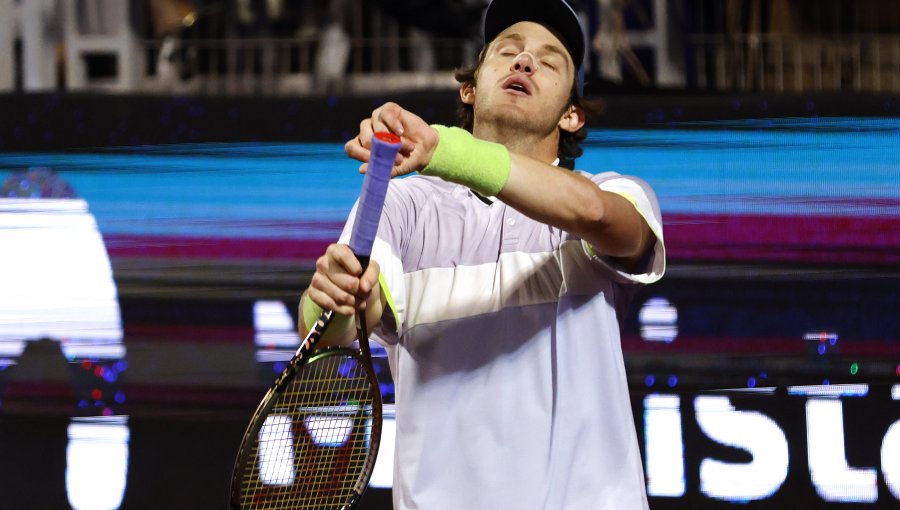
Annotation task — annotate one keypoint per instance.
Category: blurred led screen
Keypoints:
(782, 238)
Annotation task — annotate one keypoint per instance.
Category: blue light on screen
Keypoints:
(836, 167)
(847, 166)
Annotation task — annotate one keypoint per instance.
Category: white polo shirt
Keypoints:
(505, 352)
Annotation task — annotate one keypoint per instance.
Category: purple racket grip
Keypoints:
(374, 188)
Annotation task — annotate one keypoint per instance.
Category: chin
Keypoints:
(510, 113)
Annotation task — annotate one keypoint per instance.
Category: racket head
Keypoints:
(313, 440)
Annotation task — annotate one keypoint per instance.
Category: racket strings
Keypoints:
(314, 444)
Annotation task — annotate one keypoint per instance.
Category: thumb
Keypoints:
(369, 279)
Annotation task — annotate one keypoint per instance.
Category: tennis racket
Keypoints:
(313, 439)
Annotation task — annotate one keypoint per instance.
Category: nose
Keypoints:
(524, 63)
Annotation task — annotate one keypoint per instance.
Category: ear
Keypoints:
(572, 119)
(467, 92)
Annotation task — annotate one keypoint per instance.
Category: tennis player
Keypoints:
(499, 282)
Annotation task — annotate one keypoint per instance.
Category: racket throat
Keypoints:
(362, 329)
(362, 335)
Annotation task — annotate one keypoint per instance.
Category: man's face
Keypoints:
(525, 79)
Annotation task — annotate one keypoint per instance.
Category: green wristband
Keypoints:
(461, 158)
(312, 311)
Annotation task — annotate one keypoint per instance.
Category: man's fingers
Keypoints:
(375, 120)
(366, 130)
(369, 279)
(337, 275)
(357, 151)
(329, 297)
(408, 166)
(341, 289)
(406, 147)
(339, 282)
(388, 117)
(342, 255)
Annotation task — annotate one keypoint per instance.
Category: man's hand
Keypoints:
(339, 283)
(419, 139)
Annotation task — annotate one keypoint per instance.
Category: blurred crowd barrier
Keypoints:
(796, 45)
(289, 47)
(229, 47)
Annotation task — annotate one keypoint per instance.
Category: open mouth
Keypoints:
(517, 86)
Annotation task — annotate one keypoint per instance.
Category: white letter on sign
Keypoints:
(833, 478)
(664, 445)
(746, 430)
(890, 452)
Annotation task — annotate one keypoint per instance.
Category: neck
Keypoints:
(539, 146)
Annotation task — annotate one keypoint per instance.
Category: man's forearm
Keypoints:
(572, 202)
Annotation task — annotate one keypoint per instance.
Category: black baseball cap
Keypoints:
(556, 14)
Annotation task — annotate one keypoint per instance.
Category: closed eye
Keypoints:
(508, 48)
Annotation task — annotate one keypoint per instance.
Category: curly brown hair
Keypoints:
(569, 142)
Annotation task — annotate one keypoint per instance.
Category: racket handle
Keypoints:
(374, 189)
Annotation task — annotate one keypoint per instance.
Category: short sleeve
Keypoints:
(644, 200)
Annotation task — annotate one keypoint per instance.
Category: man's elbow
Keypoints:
(622, 241)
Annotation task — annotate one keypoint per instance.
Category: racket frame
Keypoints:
(306, 354)
(384, 149)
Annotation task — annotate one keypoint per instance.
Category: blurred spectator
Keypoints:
(333, 52)
(443, 18)
(268, 18)
(611, 42)
(170, 16)
(36, 182)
